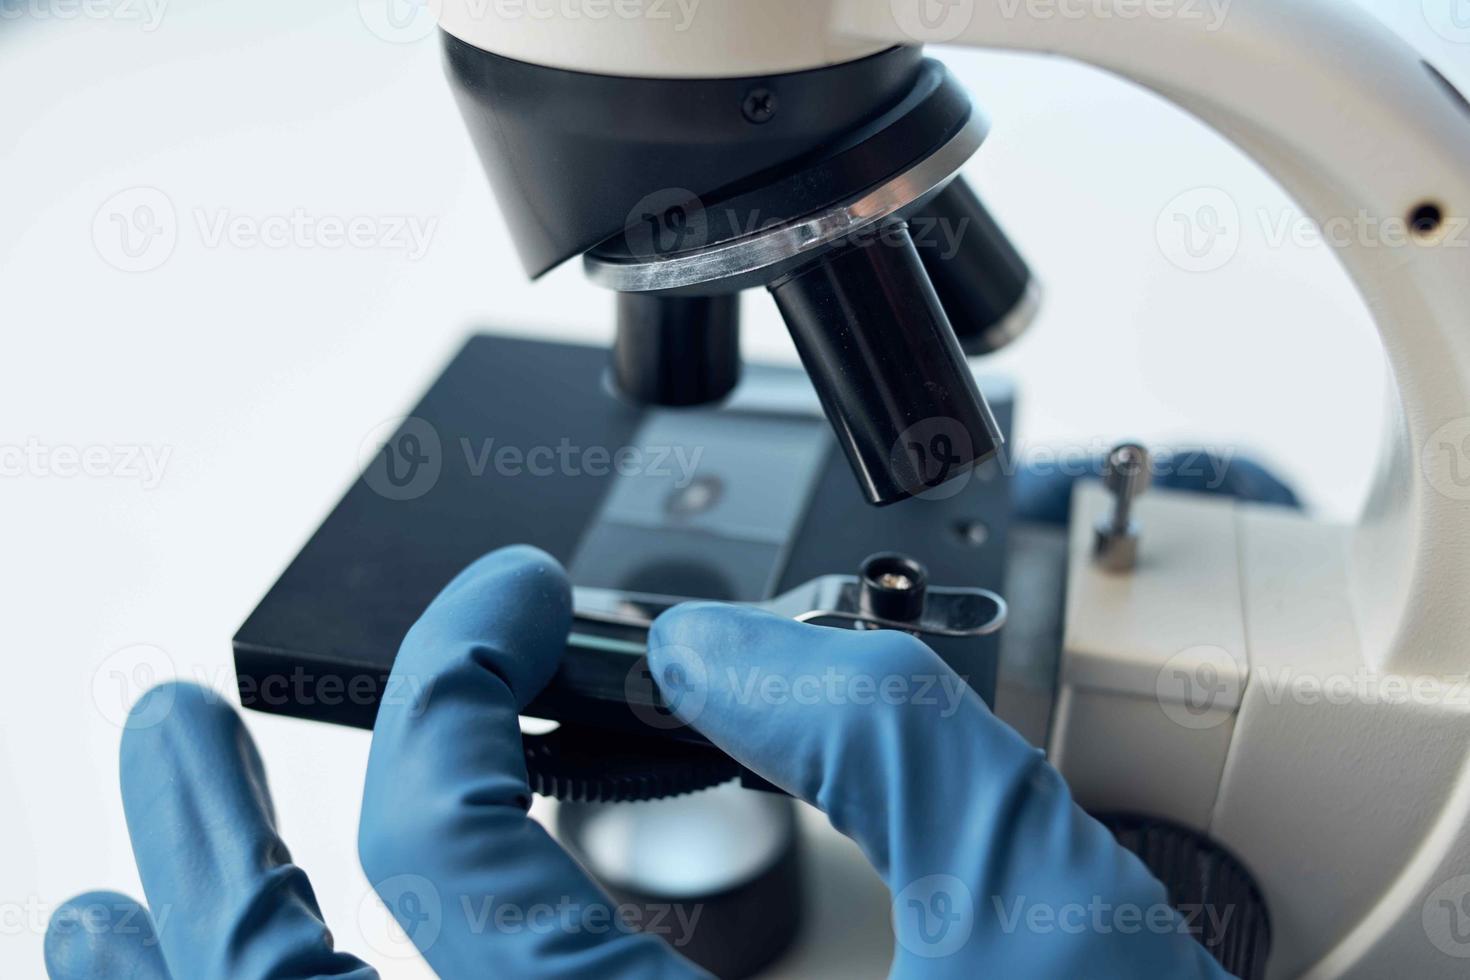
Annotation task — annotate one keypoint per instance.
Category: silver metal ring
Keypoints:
(774, 246)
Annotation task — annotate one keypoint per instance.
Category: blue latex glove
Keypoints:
(994, 870)
(970, 827)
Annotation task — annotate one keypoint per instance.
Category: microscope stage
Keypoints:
(521, 442)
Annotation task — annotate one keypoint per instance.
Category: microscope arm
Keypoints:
(1355, 818)
(1351, 121)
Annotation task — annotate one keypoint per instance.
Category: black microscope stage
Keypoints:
(522, 442)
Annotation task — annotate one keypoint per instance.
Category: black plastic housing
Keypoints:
(677, 351)
(979, 276)
(571, 155)
(890, 374)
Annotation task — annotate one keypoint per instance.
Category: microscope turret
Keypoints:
(835, 187)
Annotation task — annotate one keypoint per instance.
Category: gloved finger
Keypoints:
(103, 936)
(217, 875)
(847, 720)
(962, 818)
(445, 838)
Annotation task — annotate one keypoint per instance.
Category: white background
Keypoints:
(259, 370)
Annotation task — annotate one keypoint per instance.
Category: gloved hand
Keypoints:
(969, 826)
(994, 870)
(480, 888)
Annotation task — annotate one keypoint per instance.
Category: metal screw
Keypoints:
(759, 105)
(973, 533)
(1126, 476)
(698, 497)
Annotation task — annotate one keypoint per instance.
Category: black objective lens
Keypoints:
(677, 351)
(890, 374)
(980, 277)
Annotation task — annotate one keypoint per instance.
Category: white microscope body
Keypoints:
(1294, 689)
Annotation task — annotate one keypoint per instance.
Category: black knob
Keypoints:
(892, 587)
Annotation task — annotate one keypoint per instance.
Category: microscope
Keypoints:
(1174, 655)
